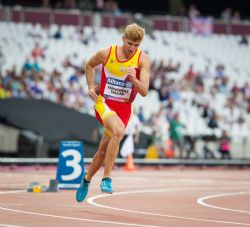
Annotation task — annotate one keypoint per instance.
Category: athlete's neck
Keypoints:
(122, 54)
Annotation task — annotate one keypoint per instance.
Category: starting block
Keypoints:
(53, 186)
(37, 188)
(31, 186)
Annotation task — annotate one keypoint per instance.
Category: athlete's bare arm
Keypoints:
(142, 84)
(99, 58)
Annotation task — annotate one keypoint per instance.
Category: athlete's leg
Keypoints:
(114, 124)
(97, 162)
(99, 157)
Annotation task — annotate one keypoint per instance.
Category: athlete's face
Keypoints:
(130, 46)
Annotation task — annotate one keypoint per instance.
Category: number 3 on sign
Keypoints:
(70, 168)
(74, 163)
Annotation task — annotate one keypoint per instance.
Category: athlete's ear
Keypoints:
(123, 38)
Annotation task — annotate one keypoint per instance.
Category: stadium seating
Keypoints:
(18, 39)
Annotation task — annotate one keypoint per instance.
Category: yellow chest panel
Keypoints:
(119, 68)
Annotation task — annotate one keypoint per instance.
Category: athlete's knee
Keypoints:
(118, 132)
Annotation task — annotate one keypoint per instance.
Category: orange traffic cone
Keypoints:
(169, 153)
(130, 166)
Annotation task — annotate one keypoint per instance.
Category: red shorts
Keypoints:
(104, 108)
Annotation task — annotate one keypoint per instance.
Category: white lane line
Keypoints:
(77, 219)
(92, 199)
(11, 192)
(202, 199)
(38, 205)
(4, 225)
(71, 218)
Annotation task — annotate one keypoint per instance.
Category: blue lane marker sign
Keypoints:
(70, 169)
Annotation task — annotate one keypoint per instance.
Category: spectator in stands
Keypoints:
(223, 86)
(226, 14)
(50, 93)
(160, 131)
(36, 66)
(189, 77)
(4, 92)
(99, 5)
(243, 40)
(36, 89)
(46, 4)
(164, 93)
(213, 120)
(70, 4)
(235, 89)
(170, 67)
(38, 51)
(90, 37)
(182, 11)
(174, 92)
(220, 71)
(176, 134)
(79, 34)
(133, 129)
(246, 90)
(207, 74)
(193, 11)
(27, 65)
(58, 33)
(112, 7)
(141, 115)
(241, 119)
(236, 18)
(224, 146)
(248, 106)
(177, 67)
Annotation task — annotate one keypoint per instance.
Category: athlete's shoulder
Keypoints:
(103, 53)
(144, 55)
(144, 58)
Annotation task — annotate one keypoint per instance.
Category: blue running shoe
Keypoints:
(106, 186)
(82, 191)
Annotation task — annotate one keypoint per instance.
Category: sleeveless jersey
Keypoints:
(115, 84)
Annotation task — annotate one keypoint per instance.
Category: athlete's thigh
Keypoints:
(113, 122)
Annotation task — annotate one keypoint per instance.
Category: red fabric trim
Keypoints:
(139, 59)
(103, 82)
(108, 56)
(125, 60)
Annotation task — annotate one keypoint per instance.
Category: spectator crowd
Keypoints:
(35, 81)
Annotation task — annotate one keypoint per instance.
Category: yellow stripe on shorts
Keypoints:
(102, 109)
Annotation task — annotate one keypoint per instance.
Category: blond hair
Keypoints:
(134, 32)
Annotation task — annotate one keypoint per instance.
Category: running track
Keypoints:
(173, 196)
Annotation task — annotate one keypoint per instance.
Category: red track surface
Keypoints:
(176, 197)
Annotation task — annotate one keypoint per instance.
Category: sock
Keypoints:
(105, 178)
(86, 180)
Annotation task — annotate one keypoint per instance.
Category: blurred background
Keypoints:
(198, 107)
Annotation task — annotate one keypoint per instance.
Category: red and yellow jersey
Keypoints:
(115, 84)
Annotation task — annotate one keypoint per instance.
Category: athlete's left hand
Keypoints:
(131, 73)
(92, 93)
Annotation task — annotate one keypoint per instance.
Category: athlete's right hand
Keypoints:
(92, 93)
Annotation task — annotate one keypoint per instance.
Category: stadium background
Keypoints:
(20, 137)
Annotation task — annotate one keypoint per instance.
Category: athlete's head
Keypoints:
(134, 32)
(132, 38)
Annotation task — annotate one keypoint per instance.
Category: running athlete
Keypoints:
(125, 71)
